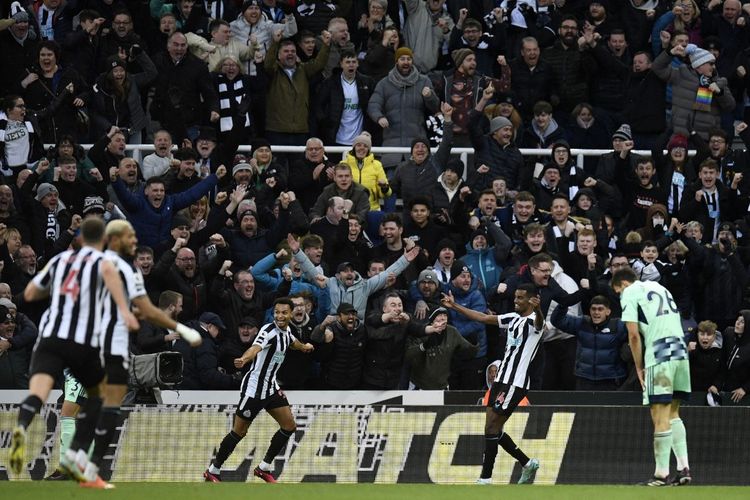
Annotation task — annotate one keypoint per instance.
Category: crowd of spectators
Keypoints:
(366, 245)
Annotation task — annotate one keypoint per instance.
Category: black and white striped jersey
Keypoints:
(260, 380)
(76, 289)
(115, 334)
(520, 348)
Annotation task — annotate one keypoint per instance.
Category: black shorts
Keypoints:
(52, 356)
(504, 398)
(116, 368)
(249, 408)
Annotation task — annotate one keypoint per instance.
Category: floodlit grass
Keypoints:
(317, 491)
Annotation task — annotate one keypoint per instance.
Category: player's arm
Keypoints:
(299, 346)
(248, 356)
(154, 315)
(538, 314)
(449, 303)
(634, 339)
(32, 292)
(117, 289)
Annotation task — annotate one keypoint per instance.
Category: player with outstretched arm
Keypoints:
(260, 391)
(525, 327)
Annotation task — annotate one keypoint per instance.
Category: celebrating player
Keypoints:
(261, 391)
(648, 309)
(70, 337)
(525, 328)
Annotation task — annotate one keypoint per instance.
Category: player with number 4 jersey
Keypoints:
(661, 361)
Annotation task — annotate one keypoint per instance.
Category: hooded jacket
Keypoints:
(431, 367)
(368, 176)
(473, 331)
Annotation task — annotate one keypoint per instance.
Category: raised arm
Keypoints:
(448, 302)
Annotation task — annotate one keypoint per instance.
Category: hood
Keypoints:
(495, 363)
(357, 280)
(473, 251)
(647, 5)
(587, 191)
(653, 209)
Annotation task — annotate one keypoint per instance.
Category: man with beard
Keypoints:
(426, 294)
(400, 103)
(333, 228)
(296, 371)
(153, 338)
(348, 284)
(393, 246)
(467, 34)
(233, 346)
(185, 175)
(571, 65)
(343, 343)
(234, 296)
(288, 101)
(719, 150)
(495, 153)
(462, 89)
(420, 228)
(151, 212)
(309, 175)
(127, 170)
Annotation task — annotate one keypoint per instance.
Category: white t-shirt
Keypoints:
(351, 119)
(17, 145)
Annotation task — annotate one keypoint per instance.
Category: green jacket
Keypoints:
(431, 367)
(288, 101)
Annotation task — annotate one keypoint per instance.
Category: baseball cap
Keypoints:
(212, 319)
(345, 308)
(343, 266)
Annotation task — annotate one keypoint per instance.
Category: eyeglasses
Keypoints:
(717, 140)
(568, 28)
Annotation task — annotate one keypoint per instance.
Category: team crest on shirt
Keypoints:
(247, 413)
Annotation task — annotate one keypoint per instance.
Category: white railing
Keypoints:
(138, 151)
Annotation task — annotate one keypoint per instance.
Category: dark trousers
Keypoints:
(559, 365)
(609, 384)
(467, 373)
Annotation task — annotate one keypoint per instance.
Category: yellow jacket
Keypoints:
(371, 172)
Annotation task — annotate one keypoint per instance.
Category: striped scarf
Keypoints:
(231, 95)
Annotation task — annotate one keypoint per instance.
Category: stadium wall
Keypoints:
(380, 443)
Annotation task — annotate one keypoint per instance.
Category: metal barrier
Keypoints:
(138, 151)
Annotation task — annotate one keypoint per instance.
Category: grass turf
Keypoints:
(227, 491)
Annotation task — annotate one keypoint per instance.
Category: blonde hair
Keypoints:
(679, 24)
(117, 228)
(633, 237)
(217, 68)
(7, 232)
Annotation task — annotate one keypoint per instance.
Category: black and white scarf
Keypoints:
(231, 95)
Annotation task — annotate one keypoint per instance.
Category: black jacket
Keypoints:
(643, 103)
(530, 87)
(183, 91)
(343, 358)
(201, 364)
(386, 345)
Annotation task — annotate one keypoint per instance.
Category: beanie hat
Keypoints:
(243, 165)
(560, 143)
(363, 138)
(701, 56)
(446, 243)
(506, 97)
(459, 55)
(499, 122)
(115, 61)
(403, 51)
(455, 165)
(249, 3)
(18, 13)
(44, 189)
(457, 268)
(420, 140)
(437, 312)
(249, 212)
(549, 166)
(677, 141)
(260, 143)
(623, 133)
(179, 220)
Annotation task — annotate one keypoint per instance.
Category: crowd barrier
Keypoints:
(138, 151)
(410, 440)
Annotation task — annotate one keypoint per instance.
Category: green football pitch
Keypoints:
(190, 491)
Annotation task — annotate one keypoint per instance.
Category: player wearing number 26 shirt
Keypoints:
(661, 362)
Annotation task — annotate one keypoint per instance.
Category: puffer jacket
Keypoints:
(423, 35)
(368, 176)
(343, 358)
(473, 331)
(572, 70)
(412, 180)
(685, 82)
(504, 161)
(598, 352)
(263, 29)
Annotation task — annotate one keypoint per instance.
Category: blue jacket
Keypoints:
(473, 331)
(269, 279)
(484, 263)
(598, 353)
(152, 225)
(247, 251)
